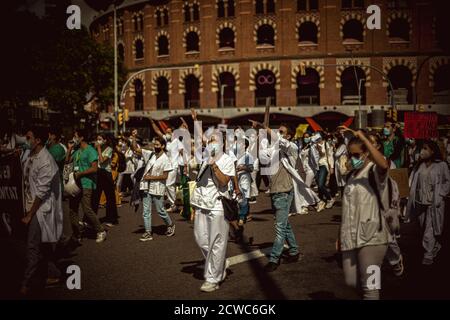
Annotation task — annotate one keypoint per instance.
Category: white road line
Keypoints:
(256, 254)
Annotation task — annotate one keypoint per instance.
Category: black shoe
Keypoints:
(292, 259)
(271, 266)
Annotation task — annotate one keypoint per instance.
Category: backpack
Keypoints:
(122, 163)
(391, 213)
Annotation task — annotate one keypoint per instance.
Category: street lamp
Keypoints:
(116, 106)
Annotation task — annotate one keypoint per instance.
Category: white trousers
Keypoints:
(211, 235)
(254, 188)
(171, 188)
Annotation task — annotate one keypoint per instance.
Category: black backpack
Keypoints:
(122, 164)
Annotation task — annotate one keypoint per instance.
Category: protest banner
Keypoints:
(421, 125)
(11, 197)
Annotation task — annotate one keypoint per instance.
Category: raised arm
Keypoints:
(156, 128)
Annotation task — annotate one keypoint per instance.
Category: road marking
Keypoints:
(256, 254)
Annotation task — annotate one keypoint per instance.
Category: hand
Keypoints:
(238, 194)
(70, 144)
(147, 177)
(359, 134)
(194, 114)
(26, 220)
(256, 124)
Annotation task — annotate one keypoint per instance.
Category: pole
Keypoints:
(222, 103)
(116, 106)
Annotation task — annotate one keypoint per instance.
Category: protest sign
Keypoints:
(421, 125)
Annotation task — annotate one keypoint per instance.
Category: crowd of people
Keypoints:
(219, 176)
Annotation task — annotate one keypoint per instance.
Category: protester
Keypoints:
(153, 184)
(105, 182)
(85, 167)
(125, 183)
(210, 225)
(394, 143)
(430, 184)
(363, 234)
(43, 203)
(341, 163)
(282, 193)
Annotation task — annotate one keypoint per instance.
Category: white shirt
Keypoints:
(207, 191)
(156, 166)
(174, 148)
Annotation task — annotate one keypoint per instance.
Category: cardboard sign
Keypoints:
(401, 177)
(421, 125)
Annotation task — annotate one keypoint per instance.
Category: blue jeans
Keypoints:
(321, 179)
(281, 202)
(243, 209)
(147, 210)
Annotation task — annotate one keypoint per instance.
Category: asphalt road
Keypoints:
(169, 268)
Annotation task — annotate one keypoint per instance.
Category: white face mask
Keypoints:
(100, 142)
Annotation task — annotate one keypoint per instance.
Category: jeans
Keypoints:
(105, 184)
(281, 202)
(321, 179)
(85, 199)
(243, 209)
(147, 210)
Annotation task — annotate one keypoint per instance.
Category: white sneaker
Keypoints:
(305, 210)
(227, 265)
(330, 203)
(209, 287)
(321, 206)
(101, 236)
(292, 214)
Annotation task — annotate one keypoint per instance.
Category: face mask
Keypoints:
(357, 163)
(306, 140)
(386, 131)
(76, 141)
(424, 154)
(158, 150)
(168, 136)
(26, 145)
(100, 142)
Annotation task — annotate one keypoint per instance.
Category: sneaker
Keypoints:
(427, 261)
(436, 249)
(292, 259)
(147, 236)
(209, 287)
(101, 236)
(330, 203)
(267, 191)
(321, 206)
(292, 214)
(227, 265)
(51, 282)
(240, 222)
(249, 218)
(252, 200)
(305, 210)
(271, 266)
(399, 268)
(170, 230)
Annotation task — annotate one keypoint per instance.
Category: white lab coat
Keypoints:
(44, 183)
(288, 153)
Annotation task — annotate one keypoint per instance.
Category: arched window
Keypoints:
(192, 94)
(230, 8)
(192, 42)
(308, 91)
(227, 85)
(401, 79)
(166, 17)
(353, 31)
(162, 98)
(259, 7)
(265, 88)
(187, 13)
(163, 46)
(158, 18)
(226, 38)
(307, 32)
(441, 90)
(196, 11)
(399, 29)
(353, 89)
(121, 52)
(270, 6)
(139, 45)
(265, 35)
(220, 9)
(139, 95)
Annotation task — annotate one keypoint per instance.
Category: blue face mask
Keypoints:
(306, 140)
(386, 131)
(356, 163)
(26, 145)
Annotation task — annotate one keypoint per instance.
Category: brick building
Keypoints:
(306, 57)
